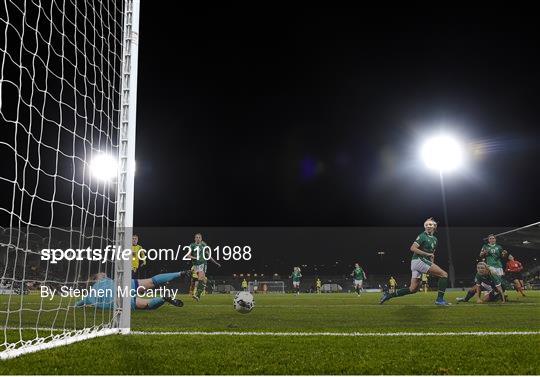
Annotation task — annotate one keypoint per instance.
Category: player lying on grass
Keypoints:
(486, 280)
(103, 290)
(423, 249)
(358, 275)
(200, 255)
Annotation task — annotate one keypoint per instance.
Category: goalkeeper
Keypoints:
(102, 292)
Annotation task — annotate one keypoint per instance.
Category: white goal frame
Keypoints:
(125, 193)
(126, 159)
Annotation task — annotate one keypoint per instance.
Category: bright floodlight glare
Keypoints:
(442, 153)
(104, 167)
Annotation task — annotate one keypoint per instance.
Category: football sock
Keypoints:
(162, 279)
(443, 283)
(155, 303)
(470, 295)
(200, 288)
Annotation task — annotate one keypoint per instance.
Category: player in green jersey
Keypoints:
(359, 276)
(296, 275)
(486, 280)
(200, 254)
(493, 255)
(423, 249)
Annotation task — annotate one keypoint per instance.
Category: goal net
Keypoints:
(67, 96)
(266, 287)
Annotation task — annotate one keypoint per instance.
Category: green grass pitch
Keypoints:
(289, 354)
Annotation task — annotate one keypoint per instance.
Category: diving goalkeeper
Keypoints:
(102, 292)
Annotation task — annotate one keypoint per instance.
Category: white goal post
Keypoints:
(68, 91)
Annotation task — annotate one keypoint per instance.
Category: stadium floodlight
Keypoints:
(442, 153)
(104, 167)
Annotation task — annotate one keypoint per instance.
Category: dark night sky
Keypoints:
(312, 116)
(304, 118)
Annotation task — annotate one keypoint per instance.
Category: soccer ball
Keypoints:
(243, 302)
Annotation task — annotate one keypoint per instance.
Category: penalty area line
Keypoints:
(350, 334)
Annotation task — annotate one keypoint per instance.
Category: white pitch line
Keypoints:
(346, 334)
(297, 333)
(360, 305)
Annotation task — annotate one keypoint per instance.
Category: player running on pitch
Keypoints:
(392, 283)
(296, 275)
(102, 293)
(486, 279)
(514, 273)
(318, 285)
(138, 257)
(425, 278)
(200, 254)
(423, 249)
(193, 280)
(359, 276)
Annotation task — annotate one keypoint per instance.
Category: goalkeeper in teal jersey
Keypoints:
(296, 275)
(423, 249)
(359, 276)
(486, 280)
(102, 292)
